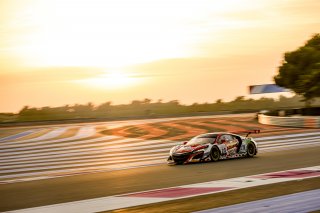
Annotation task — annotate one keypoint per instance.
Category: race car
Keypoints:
(213, 147)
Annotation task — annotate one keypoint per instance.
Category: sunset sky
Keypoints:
(57, 52)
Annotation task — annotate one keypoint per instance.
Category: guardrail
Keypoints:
(309, 122)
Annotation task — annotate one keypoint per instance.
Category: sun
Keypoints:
(114, 79)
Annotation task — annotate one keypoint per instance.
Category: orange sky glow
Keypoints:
(61, 52)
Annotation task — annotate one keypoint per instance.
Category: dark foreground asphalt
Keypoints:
(65, 189)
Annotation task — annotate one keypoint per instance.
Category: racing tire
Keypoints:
(251, 150)
(215, 154)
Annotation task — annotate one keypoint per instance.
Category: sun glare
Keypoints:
(117, 33)
(111, 80)
(103, 33)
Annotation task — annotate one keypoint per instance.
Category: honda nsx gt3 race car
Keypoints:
(213, 147)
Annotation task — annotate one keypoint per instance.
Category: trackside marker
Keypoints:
(173, 193)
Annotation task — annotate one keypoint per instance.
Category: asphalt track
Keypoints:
(85, 186)
(58, 190)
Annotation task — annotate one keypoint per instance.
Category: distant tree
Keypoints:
(300, 70)
(174, 102)
(146, 101)
(219, 101)
(24, 110)
(239, 98)
(135, 102)
(27, 111)
(83, 109)
(104, 107)
(90, 106)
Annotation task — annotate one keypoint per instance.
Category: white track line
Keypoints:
(27, 169)
(10, 169)
(61, 172)
(288, 140)
(115, 165)
(66, 157)
(88, 147)
(97, 146)
(289, 147)
(66, 143)
(104, 142)
(105, 151)
(78, 162)
(111, 155)
(287, 136)
(75, 157)
(279, 144)
(155, 144)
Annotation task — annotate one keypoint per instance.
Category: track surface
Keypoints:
(50, 191)
(69, 150)
(18, 156)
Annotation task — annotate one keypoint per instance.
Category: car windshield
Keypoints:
(202, 139)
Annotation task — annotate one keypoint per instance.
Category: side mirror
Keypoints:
(184, 143)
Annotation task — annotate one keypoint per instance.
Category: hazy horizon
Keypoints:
(54, 53)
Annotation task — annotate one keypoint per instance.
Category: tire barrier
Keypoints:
(309, 122)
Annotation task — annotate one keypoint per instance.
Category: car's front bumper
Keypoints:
(180, 158)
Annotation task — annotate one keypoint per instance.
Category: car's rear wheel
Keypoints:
(215, 153)
(251, 150)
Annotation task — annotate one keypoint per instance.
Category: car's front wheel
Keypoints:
(251, 149)
(215, 153)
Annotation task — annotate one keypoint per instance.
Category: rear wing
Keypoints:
(255, 131)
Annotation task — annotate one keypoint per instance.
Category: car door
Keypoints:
(222, 143)
(226, 143)
(232, 144)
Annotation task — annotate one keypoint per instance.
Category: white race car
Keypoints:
(213, 147)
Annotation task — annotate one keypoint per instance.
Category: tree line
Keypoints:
(149, 108)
